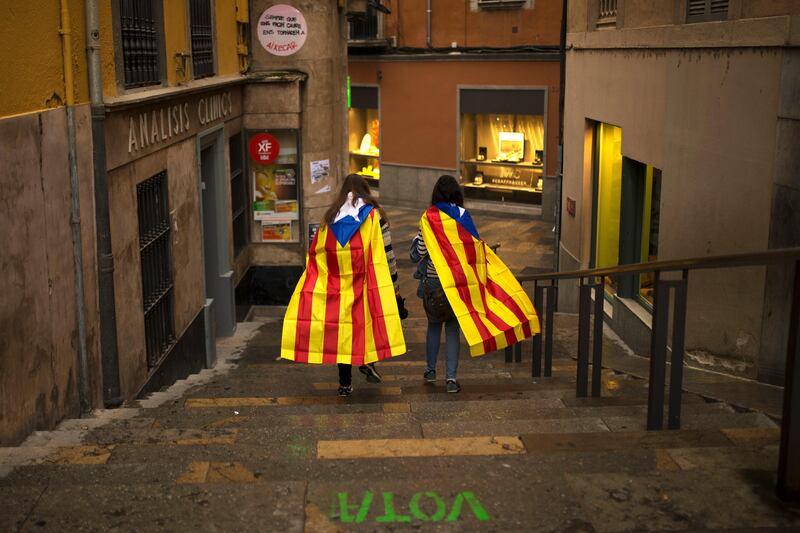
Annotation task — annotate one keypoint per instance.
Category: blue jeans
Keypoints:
(451, 334)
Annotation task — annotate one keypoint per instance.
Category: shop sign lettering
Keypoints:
(282, 30)
(422, 507)
(153, 127)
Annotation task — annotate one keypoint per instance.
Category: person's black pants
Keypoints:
(345, 374)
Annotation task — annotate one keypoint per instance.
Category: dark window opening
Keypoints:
(140, 49)
(706, 10)
(202, 38)
(364, 26)
(156, 264)
(238, 194)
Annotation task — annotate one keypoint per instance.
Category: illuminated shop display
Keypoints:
(274, 175)
(502, 144)
(364, 133)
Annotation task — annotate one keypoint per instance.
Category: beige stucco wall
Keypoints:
(316, 105)
(708, 120)
(180, 162)
(38, 318)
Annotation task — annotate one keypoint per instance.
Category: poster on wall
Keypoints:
(282, 30)
(320, 170)
(312, 232)
(273, 171)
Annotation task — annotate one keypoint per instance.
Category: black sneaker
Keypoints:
(453, 386)
(430, 376)
(371, 373)
(346, 391)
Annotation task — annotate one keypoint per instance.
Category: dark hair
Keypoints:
(448, 190)
(357, 185)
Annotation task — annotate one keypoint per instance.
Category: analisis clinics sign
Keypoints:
(282, 30)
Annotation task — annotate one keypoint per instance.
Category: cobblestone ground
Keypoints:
(258, 444)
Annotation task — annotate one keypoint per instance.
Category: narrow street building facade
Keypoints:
(464, 88)
(681, 135)
(194, 206)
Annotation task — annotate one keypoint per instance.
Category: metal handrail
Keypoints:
(780, 255)
(593, 280)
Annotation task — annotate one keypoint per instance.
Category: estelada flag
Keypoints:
(489, 303)
(343, 309)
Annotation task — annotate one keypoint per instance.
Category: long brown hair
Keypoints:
(357, 185)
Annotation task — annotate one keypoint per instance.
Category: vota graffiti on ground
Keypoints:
(421, 507)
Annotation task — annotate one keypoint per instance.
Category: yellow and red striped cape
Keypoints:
(343, 309)
(491, 306)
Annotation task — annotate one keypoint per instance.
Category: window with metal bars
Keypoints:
(139, 35)
(238, 194)
(365, 26)
(706, 10)
(156, 262)
(202, 38)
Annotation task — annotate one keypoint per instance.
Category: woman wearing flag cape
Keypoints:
(483, 297)
(346, 308)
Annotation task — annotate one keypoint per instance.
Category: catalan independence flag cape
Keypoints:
(490, 304)
(343, 309)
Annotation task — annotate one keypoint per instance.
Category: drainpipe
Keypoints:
(75, 209)
(560, 161)
(430, 16)
(112, 396)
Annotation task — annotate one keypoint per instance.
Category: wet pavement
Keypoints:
(261, 444)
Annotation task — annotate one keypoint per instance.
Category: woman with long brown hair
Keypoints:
(342, 310)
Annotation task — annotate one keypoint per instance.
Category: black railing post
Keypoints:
(536, 361)
(678, 344)
(789, 457)
(552, 297)
(597, 338)
(584, 309)
(518, 352)
(509, 350)
(658, 354)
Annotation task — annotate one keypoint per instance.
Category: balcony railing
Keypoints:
(592, 284)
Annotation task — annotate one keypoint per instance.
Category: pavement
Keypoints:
(261, 444)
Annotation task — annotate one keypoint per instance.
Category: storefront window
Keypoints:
(363, 124)
(650, 222)
(274, 174)
(502, 146)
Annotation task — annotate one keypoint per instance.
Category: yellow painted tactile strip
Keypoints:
(665, 462)
(215, 472)
(383, 448)
(206, 440)
(81, 455)
(753, 437)
(415, 378)
(259, 401)
(398, 407)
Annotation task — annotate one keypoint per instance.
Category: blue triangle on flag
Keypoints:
(344, 229)
(455, 213)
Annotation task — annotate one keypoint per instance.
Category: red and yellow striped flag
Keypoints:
(343, 309)
(492, 308)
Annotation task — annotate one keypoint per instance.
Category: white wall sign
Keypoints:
(282, 30)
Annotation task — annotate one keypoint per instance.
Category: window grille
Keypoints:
(139, 35)
(156, 263)
(607, 15)
(238, 194)
(706, 10)
(202, 38)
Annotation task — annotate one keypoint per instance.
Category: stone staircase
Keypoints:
(266, 445)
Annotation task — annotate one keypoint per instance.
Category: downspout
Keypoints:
(75, 209)
(560, 161)
(430, 35)
(112, 396)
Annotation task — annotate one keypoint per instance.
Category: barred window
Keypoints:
(140, 43)
(238, 194)
(202, 38)
(156, 263)
(706, 10)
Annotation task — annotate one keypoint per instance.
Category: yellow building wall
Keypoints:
(225, 15)
(31, 68)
